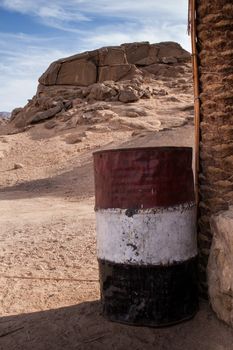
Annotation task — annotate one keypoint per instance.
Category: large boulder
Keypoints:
(145, 54)
(49, 113)
(128, 95)
(170, 49)
(112, 55)
(115, 72)
(77, 72)
(102, 92)
(220, 266)
(139, 53)
(49, 77)
(80, 69)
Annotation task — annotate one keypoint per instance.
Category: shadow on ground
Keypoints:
(78, 183)
(82, 327)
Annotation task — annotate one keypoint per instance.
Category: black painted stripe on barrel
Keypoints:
(143, 177)
(149, 295)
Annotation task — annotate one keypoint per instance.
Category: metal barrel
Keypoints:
(146, 235)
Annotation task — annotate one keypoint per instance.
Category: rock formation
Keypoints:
(111, 63)
(119, 74)
(220, 272)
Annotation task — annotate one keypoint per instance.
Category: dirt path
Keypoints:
(47, 258)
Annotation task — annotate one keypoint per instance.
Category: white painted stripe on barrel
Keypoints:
(149, 237)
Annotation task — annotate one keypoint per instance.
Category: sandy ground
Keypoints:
(49, 295)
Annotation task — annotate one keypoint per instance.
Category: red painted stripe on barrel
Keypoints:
(143, 177)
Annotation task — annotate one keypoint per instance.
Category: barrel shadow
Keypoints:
(82, 327)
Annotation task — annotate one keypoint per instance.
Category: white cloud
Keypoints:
(136, 9)
(57, 10)
(23, 6)
(83, 10)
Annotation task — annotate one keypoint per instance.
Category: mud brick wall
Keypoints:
(215, 51)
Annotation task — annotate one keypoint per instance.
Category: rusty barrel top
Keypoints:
(143, 178)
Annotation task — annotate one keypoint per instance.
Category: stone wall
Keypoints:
(215, 49)
(220, 272)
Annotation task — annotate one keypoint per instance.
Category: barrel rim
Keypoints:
(164, 148)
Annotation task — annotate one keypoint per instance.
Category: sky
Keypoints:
(33, 33)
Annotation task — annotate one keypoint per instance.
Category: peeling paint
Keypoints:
(151, 236)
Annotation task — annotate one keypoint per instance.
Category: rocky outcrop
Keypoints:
(220, 266)
(112, 74)
(111, 63)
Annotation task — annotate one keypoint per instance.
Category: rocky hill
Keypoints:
(131, 86)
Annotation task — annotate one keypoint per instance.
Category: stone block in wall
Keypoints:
(220, 266)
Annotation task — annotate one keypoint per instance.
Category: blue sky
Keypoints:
(33, 33)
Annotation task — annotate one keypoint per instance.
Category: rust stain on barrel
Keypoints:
(143, 177)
